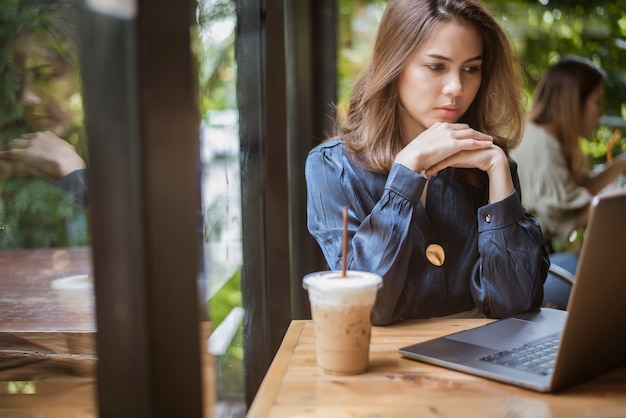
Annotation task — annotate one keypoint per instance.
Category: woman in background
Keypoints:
(557, 186)
(422, 164)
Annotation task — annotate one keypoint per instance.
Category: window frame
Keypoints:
(286, 60)
(143, 136)
(142, 127)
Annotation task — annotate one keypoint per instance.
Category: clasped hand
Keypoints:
(39, 154)
(449, 145)
(446, 145)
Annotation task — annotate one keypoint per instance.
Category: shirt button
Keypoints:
(488, 218)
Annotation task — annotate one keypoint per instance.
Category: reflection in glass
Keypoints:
(47, 326)
(20, 388)
(43, 154)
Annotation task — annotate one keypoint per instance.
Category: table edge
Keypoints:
(273, 378)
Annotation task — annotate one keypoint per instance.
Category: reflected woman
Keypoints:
(42, 161)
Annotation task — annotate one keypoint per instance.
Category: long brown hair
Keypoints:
(559, 100)
(372, 129)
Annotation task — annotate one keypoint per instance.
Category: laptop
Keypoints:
(586, 340)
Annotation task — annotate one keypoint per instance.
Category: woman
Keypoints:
(422, 166)
(557, 186)
(49, 98)
(43, 152)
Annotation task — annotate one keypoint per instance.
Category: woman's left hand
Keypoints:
(491, 160)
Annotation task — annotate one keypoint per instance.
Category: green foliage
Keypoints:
(210, 11)
(357, 22)
(596, 148)
(9, 80)
(225, 299)
(230, 365)
(216, 55)
(219, 77)
(542, 33)
(36, 213)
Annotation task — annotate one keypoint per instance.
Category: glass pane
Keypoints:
(221, 202)
(47, 324)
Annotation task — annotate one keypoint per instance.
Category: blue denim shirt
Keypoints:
(495, 259)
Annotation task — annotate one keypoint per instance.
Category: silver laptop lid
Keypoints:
(594, 338)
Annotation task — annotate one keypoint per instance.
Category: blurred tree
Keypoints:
(216, 53)
(541, 30)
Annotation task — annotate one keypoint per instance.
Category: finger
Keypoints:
(19, 143)
(23, 169)
(460, 160)
(456, 125)
(435, 169)
(13, 154)
(463, 130)
(431, 172)
(473, 144)
(470, 133)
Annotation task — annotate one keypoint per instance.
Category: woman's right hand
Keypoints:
(42, 154)
(439, 142)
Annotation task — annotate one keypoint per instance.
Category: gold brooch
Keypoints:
(435, 254)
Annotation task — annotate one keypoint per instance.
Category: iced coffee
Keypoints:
(341, 308)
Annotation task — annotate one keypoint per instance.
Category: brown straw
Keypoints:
(344, 243)
(609, 145)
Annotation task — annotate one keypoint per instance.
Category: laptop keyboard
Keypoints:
(535, 358)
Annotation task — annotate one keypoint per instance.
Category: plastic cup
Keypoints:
(341, 308)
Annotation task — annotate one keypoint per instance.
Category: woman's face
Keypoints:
(593, 110)
(50, 95)
(441, 78)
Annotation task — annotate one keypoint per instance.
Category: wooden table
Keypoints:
(46, 289)
(47, 310)
(398, 387)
